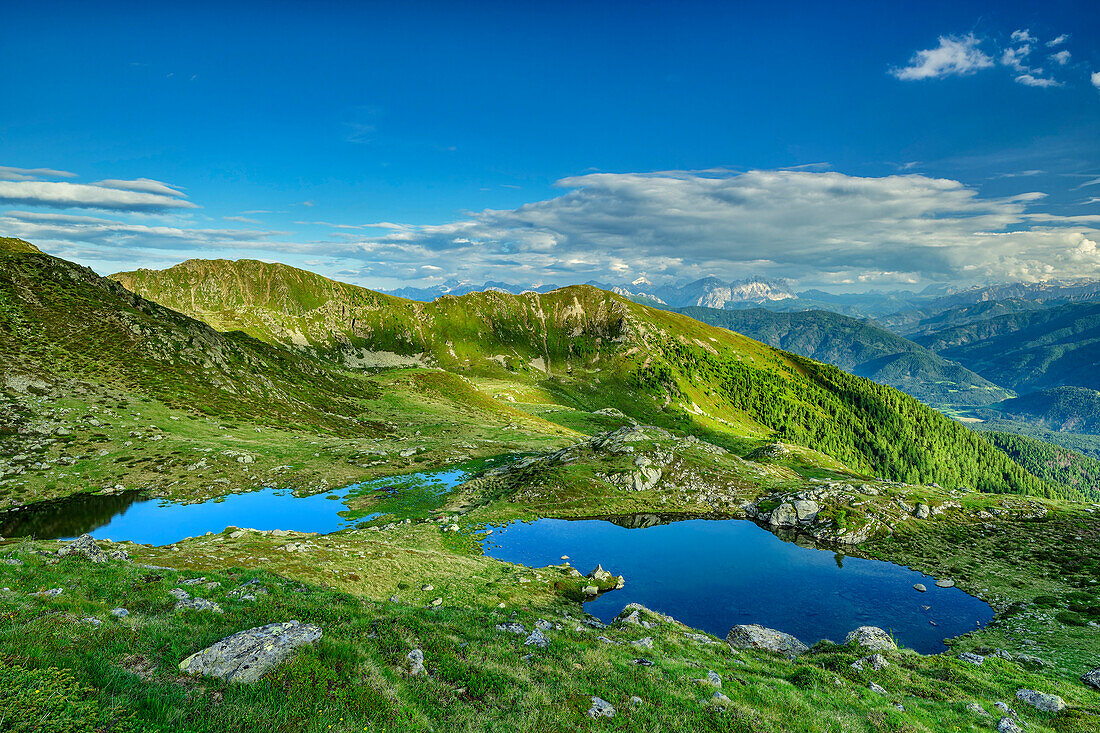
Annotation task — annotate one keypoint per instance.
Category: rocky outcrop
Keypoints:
(248, 655)
(871, 637)
(754, 636)
(1092, 679)
(86, 546)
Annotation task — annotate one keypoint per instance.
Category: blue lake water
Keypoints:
(136, 518)
(712, 574)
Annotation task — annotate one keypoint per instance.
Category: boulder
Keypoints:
(975, 659)
(416, 662)
(537, 639)
(977, 709)
(877, 662)
(919, 587)
(600, 709)
(512, 628)
(754, 636)
(1008, 725)
(945, 583)
(783, 515)
(871, 637)
(86, 546)
(806, 510)
(250, 654)
(1041, 701)
(1092, 679)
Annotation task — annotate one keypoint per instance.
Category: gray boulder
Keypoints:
(250, 654)
(754, 636)
(600, 709)
(1008, 725)
(416, 662)
(975, 659)
(537, 639)
(1092, 679)
(1041, 701)
(920, 587)
(871, 637)
(86, 546)
(512, 628)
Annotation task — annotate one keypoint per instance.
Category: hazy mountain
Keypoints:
(863, 349)
(1064, 409)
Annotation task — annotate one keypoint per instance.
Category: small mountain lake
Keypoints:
(713, 573)
(134, 516)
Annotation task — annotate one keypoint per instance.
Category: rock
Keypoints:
(806, 510)
(877, 662)
(922, 511)
(119, 612)
(754, 636)
(871, 637)
(1008, 725)
(543, 624)
(86, 546)
(437, 602)
(719, 698)
(714, 678)
(51, 593)
(641, 662)
(945, 583)
(590, 590)
(1092, 679)
(646, 643)
(600, 709)
(783, 515)
(977, 709)
(701, 638)
(11, 561)
(635, 700)
(1028, 661)
(538, 639)
(416, 662)
(197, 604)
(93, 621)
(511, 627)
(975, 659)
(878, 689)
(248, 655)
(1041, 701)
(919, 587)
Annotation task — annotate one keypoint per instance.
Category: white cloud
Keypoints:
(1095, 78)
(8, 173)
(1061, 58)
(1037, 81)
(148, 185)
(1014, 57)
(1022, 36)
(1058, 41)
(955, 56)
(813, 226)
(61, 195)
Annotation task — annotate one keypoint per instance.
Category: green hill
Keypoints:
(861, 348)
(63, 325)
(1029, 350)
(1063, 409)
(1052, 463)
(592, 349)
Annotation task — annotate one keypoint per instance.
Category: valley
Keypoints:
(219, 380)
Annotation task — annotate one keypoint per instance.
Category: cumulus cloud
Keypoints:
(1095, 78)
(8, 173)
(1061, 58)
(1037, 81)
(955, 56)
(1022, 36)
(62, 195)
(1014, 57)
(1058, 41)
(812, 226)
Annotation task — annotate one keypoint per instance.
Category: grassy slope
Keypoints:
(591, 349)
(861, 348)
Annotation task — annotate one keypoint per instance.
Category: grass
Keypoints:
(479, 679)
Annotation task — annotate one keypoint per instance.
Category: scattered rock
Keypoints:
(86, 546)
(972, 658)
(416, 662)
(919, 587)
(944, 583)
(537, 639)
(1092, 679)
(512, 628)
(119, 612)
(590, 590)
(871, 637)
(197, 604)
(878, 689)
(877, 662)
(51, 593)
(977, 709)
(719, 698)
(93, 621)
(754, 636)
(646, 643)
(635, 700)
(1008, 725)
(11, 561)
(248, 655)
(600, 709)
(1041, 701)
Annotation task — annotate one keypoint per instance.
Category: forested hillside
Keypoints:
(1052, 463)
(861, 348)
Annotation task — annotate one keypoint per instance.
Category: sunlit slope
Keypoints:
(594, 349)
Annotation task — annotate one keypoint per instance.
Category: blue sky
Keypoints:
(391, 143)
